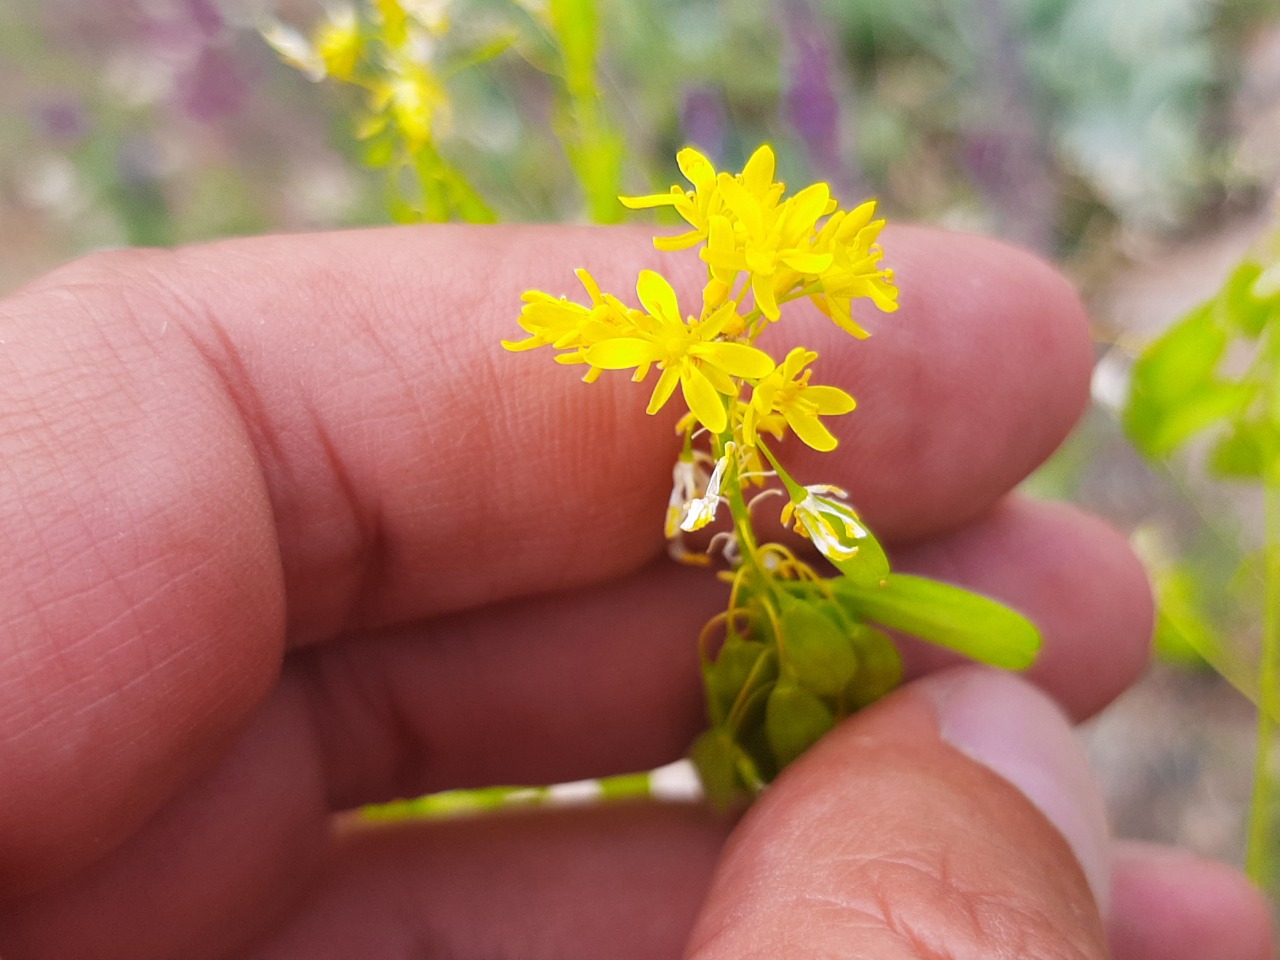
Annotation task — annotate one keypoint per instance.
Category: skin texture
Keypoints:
(288, 532)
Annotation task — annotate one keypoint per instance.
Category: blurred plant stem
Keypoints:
(1189, 382)
(591, 141)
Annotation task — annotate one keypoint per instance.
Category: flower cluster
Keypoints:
(391, 50)
(757, 245)
(391, 56)
(762, 249)
(786, 644)
(794, 651)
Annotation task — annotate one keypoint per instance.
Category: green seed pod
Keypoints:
(879, 668)
(794, 720)
(815, 652)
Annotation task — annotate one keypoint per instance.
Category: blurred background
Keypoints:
(1136, 144)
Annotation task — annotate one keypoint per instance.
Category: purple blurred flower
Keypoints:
(812, 106)
(212, 87)
(61, 121)
(703, 120)
(205, 16)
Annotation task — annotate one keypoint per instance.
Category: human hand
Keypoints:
(287, 533)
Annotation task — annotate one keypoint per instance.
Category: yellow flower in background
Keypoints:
(338, 43)
(689, 354)
(412, 98)
(786, 391)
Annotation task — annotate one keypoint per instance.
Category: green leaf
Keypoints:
(1183, 633)
(1240, 454)
(1239, 305)
(795, 719)
(1181, 359)
(949, 616)
(815, 652)
(1159, 431)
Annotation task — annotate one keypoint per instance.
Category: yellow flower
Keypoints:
(769, 241)
(689, 354)
(700, 511)
(786, 391)
(411, 97)
(564, 325)
(833, 526)
(695, 205)
(688, 480)
(855, 271)
(338, 44)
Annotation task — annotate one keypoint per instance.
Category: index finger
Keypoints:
(412, 467)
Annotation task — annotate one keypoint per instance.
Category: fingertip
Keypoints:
(1168, 904)
(928, 825)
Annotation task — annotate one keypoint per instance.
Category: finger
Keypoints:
(249, 848)
(1170, 905)
(199, 445)
(414, 468)
(1073, 575)
(591, 682)
(229, 855)
(956, 818)
(621, 883)
(513, 688)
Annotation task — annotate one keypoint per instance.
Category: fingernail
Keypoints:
(1010, 727)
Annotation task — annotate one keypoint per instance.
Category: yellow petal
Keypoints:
(653, 199)
(622, 352)
(719, 379)
(589, 284)
(735, 359)
(663, 389)
(762, 290)
(757, 175)
(696, 168)
(830, 400)
(657, 296)
(810, 429)
(682, 241)
(808, 205)
(703, 400)
(807, 262)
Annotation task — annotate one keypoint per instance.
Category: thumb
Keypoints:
(956, 818)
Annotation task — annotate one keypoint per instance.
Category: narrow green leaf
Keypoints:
(949, 616)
